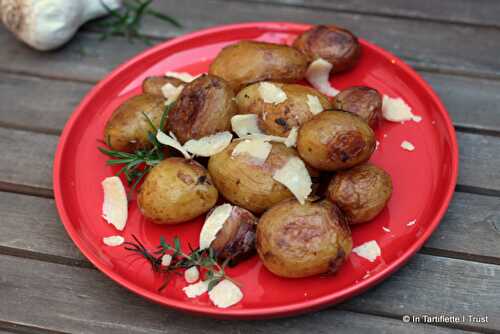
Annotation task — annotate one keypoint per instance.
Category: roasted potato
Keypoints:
(176, 190)
(247, 183)
(153, 85)
(204, 107)
(366, 102)
(127, 129)
(247, 62)
(235, 241)
(361, 192)
(295, 240)
(336, 45)
(279, 119)
(334, 140)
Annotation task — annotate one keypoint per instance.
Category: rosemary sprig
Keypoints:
(126, 21)
(205, 259)
(136, 165)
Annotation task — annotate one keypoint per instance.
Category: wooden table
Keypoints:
(47, 286)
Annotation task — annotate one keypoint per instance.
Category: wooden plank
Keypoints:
(70, 299)
(480, 12)
(479, 159)
(472, 103)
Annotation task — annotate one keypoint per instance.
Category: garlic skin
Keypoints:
(48, 24)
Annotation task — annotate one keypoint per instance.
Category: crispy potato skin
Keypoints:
(204, 107)
(334, 140)
(245, 183)
(366, 102)
(295, 240)
(279, 119)
(127, 129)
(152, 85)
(175, 191)
(361, 192)
(247, 62)
(334, 44)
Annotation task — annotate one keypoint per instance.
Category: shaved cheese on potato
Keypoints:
(225, 294)
(209, 145)
(182, 76)
(318, 75)
(315, 106)
(113, 241)
(406, 145)
(396, 110)
(369, 250)
(171, 141)
(196, 289)
(296, 178)
(213, 223)
(255, 148)
(244, 125)
(171, 93)
(270, 93)
(289, 141)
(115, 204)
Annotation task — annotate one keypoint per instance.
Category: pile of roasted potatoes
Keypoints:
(296, 232)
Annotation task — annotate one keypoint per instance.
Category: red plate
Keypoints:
(424, 180)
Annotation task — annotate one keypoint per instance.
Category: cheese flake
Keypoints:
(396, 110)
(115, 204)
(296, 178)
(255, 148)
(406, 145)
(113, 241)
(369, 250)
(191, 274)
(209, 145)
(244, 125)
(315, 106)
(270, 93)
(318, 74)
(289, 141)
(196, 289)
(166, 260)
(225, 294)
(171, 141)
(171, 93)
(182, 76)
(213, 223)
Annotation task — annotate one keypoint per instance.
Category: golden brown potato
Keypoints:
(295, 240)
(176, 190)
(204, 107)
(245, 182)
(153, 85)
(334, 140)
(247, 62)
(279, 119)
(361, 192)
(363, 101)
(336, 45)
(127, 129)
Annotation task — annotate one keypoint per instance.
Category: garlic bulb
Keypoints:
(48, 24)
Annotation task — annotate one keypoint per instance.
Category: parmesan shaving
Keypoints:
(213, 223)
(318, 74)
(256, 148)
(289, 141)
(196, 289)
(244, 125)
(115, 204)
(171, 141)
(209, 145)
(182, 76)
(191, 274)
(225, 294)
(315, 106)
(369, 250)
(270, 93)
(166, 260)
(113, 241)
(171, 93)
(296, 178)
(396, 110)
(406, 145)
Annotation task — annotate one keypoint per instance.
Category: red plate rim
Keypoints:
(266, 312)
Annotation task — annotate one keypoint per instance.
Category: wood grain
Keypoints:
(73, 299)
(481, 12)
